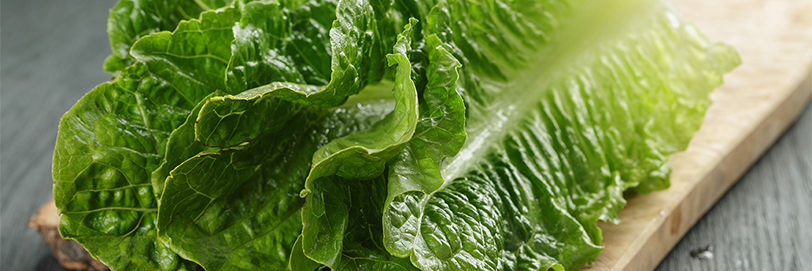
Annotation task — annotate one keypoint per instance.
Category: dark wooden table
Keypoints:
(51, 53)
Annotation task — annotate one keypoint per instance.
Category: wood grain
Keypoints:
(758, 101)
(52, 53)
(762, 222)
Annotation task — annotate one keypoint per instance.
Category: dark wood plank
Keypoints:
(762, 223)
(52, 53)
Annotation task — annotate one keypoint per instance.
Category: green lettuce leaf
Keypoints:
(439, 131)
(131, 20)
(266, 46)
(362, 247)
(355, 206)
(225, 240)
(238, 208)
(359, 155)
(586, 102)
(113, 138)
(440, 134)
(376, 134)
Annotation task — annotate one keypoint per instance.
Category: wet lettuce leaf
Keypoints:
(266, 173)
(356, 156)
(113, 138)
(554, 136)
(376, 134)
(131, 20)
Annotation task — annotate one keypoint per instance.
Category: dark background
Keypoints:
(51, 53)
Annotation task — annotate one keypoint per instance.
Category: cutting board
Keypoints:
(757, 102)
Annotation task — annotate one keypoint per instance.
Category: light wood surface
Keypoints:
(762, 221)
(758, 101)
(52, 53)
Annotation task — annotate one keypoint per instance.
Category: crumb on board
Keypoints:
(703, 253)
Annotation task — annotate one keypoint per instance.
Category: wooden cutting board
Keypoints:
(757, 102)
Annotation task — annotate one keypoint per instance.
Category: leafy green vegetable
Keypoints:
(440, 134)
(353, 50)
(542, 164)
(131, 20)
(376, 134)
(114, 137)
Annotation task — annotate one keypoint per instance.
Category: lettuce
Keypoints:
(376, 134)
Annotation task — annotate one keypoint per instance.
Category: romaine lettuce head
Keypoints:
(376, 134)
